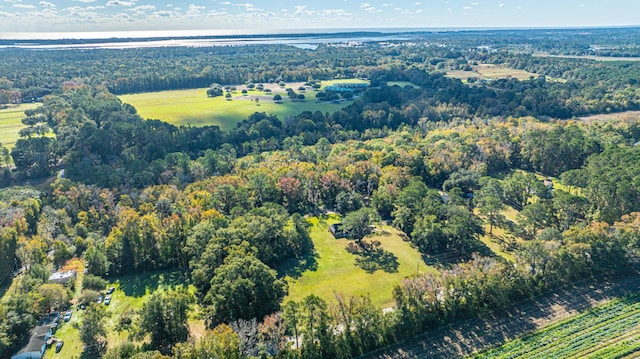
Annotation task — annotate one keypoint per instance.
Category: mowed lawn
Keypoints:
(11, 123)
(131, 293)
(490, 71)
(194, 108)
(335, 269)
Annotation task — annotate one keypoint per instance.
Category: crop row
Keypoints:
(616, 324)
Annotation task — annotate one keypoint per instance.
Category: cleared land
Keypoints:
(131, 293)
(609, 331)
(467, 337)
(10, 123)
(490, 71)
(334, 269)
(193, 107)
(618, 116)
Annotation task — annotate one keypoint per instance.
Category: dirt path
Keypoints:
(464, 338)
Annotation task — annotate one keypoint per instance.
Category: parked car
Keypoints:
(107, 299)
(67, 315)
(111, 290)
(59, 345)
(99, 300)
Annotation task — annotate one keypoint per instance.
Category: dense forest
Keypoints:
(440, 160)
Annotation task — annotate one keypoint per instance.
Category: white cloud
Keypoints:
(194, 10)
(164, 13)
(23, 6)
(467, 8)
(418, 3)
(247, 6)
(419, 11)
(502, 4)
(302, 10)
(121, 3)
(47, 4)
(143, 8)
(225, 2)
(336, 12)
(85, 1)
(368, 7)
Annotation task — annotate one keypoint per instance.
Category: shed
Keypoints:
(62, 277)
(336, 231)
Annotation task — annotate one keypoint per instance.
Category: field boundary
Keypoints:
(468, 337)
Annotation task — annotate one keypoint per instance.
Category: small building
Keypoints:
(62, 277)
(336, 231)
(40, 335)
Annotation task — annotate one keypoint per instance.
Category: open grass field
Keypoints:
(490, 71)
(193, 107)
(131, 293)
(10, 123)
(333, 269)
(609, 331)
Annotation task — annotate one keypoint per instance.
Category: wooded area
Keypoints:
(453, 165)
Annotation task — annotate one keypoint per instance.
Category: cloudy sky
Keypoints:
(260, 15)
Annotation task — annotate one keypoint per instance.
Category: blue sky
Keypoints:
(256, 16)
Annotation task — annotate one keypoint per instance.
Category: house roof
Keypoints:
(39, 336)
(62, 277)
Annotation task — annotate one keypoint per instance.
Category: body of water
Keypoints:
(141, 39)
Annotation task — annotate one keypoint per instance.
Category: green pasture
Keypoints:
(490, 71)
(333, 269)
(11, 123)
(194, 108)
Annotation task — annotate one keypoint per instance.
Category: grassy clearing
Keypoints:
(497, 241)
(334, 269)
(193, 107)
(131, 293)
(490, 71)
(10, 123)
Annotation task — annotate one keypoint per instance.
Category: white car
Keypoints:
(67, 315)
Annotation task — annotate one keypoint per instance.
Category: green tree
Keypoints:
(219, 343)
(52, 295)
(358, 223)
(164, 316)
(534, 216)
(243, 288)
(489, 202)
(568, 207)
(92, 330)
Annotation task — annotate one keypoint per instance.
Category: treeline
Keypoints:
(100, 140)
(230, 231)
